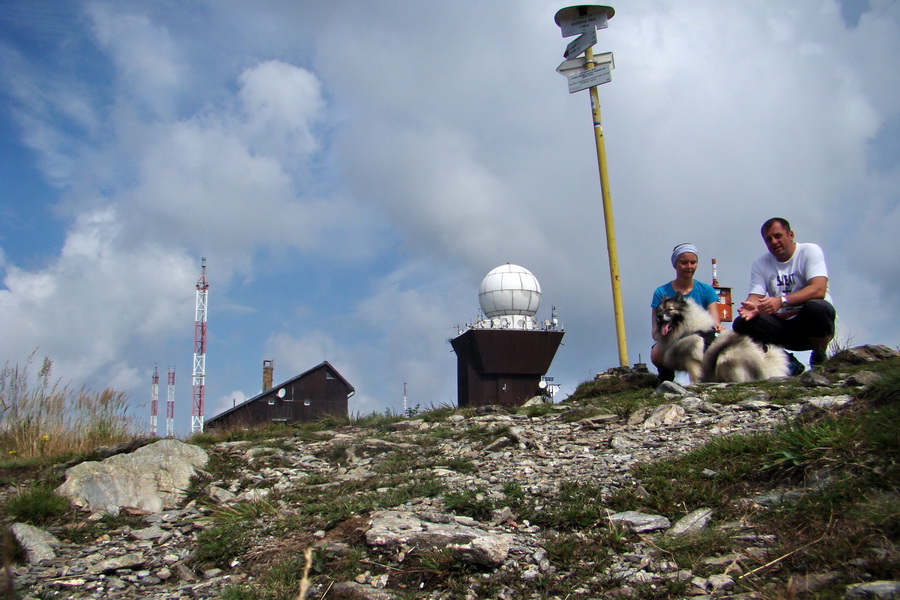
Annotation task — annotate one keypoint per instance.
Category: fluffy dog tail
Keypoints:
(737, 358)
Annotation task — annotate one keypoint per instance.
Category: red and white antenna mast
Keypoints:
(199, 382)
(170, 405)
(154, 400)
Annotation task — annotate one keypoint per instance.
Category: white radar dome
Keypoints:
(509, 290)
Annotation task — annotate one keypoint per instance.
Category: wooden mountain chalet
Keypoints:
(318, 392)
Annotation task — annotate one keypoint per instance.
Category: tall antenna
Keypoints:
(405, 406)
(154, 400)
(170, 405)
(199, 382)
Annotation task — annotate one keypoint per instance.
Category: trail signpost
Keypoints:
(584, 20)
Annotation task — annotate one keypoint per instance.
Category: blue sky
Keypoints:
(351, 171)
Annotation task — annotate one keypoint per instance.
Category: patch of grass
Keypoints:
(425, 572)
(577, 552)
(474, 503)
(623, 403)
(483, 434)
(460, 465)
(223, 542)
(336, 453)
(537, 410)
(732, 394)
(269, 432)
(38, 504)
(688, 550)
(579, 413)
(403, 461)
(574, 507)
(886, 390)
(709, 476)
(880, 510)
(324, 506)
(613, 383)
(233, 531)
(278, 580)
(801, 448)
(436, 414)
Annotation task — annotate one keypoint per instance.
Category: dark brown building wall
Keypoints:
(502, 366)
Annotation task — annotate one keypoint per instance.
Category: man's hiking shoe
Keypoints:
(817, 358)
(795, 367)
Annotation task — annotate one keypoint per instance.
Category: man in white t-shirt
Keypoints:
(788, 304)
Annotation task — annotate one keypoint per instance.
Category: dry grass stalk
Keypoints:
(304, 581)
(47, 419)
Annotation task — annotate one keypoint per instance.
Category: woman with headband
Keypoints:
(684, 259)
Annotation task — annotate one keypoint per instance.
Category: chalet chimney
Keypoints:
(268, 373)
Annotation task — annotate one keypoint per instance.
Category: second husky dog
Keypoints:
(686, 337)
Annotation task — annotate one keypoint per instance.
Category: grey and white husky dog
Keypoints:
(685, 332)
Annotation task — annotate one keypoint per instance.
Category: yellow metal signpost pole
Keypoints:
(608, 219)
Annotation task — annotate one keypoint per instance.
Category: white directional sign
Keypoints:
(581, 43)
(577, 65)
(588, 79)
(572, 23)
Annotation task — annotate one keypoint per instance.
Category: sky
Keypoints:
(352, 170)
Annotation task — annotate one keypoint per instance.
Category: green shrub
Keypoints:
(38, 504)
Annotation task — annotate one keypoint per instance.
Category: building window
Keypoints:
(329, 375)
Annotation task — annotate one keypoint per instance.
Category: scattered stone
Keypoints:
(882, 590)
(350, 590)
(434, 532)
(692, 522)
(863, 378)
(152, 478)
(640, 522)
(805, 584)
(219, 495)
(827, 402)
(665, 414)
(814, 378)
(754, 404)
(720, 583)
(37, 543)
(670, 387)
(863, 355)
(126, 561)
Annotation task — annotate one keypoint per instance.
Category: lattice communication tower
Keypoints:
(170, 405)
(199, 381)
(154, 401)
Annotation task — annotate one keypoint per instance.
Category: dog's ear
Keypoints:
(679, 297)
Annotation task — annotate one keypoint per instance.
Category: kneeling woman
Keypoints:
(684, 259)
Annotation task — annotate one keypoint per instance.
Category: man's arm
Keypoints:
(815, 290)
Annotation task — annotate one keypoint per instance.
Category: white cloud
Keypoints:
(281, 103)
(148, 61)
(370, 163)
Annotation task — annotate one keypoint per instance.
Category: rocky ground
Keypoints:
(122, 551)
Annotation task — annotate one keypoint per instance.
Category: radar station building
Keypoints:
(503, 357)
